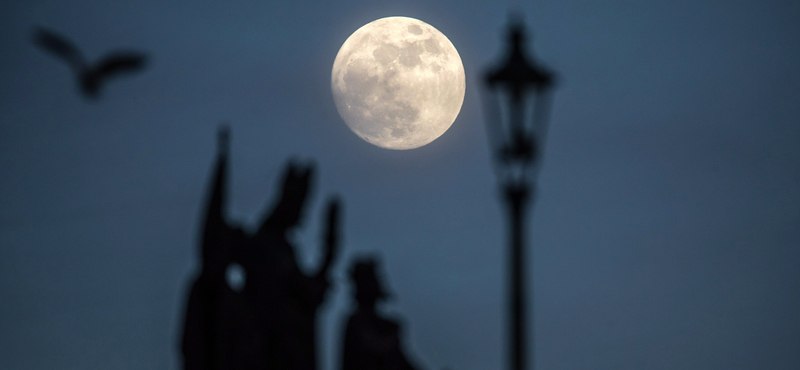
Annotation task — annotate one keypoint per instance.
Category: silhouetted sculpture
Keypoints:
(286, 298)
(371, 341)
(203, 335)
(269, 321)
(90, 77)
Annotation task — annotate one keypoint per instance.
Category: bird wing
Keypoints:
(59, 46)
(120, 62)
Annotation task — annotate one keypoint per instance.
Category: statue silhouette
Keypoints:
(203, 334)
(286, 298)
(371, 340)
(268, 320)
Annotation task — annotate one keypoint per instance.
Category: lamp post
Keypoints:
(517, 98)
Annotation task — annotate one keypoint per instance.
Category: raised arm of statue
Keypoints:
(331, 235)
(312, 288)
(214, 222)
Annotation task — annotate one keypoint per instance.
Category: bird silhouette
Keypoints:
(90, 77)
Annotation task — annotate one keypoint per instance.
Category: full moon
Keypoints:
(398, 83)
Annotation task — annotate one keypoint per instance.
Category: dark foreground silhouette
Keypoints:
(90, 77)
(251, 307)
(266, 320)
(371, 340)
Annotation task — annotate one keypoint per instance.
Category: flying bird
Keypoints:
(90, 77)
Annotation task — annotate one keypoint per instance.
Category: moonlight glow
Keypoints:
(398, 83)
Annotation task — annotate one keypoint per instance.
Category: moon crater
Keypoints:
(398, 83)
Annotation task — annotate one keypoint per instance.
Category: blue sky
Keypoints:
(665, 234)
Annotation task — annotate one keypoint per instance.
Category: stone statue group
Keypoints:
(252, 307)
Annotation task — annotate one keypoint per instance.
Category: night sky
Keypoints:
(665, 235)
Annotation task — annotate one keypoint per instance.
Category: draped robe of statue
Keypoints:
(372, 342)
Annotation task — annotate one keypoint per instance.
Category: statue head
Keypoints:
(297, 179)
(368, 287)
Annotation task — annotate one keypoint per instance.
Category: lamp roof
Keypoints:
(519, 72)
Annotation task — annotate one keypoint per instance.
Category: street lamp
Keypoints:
(517, 98)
